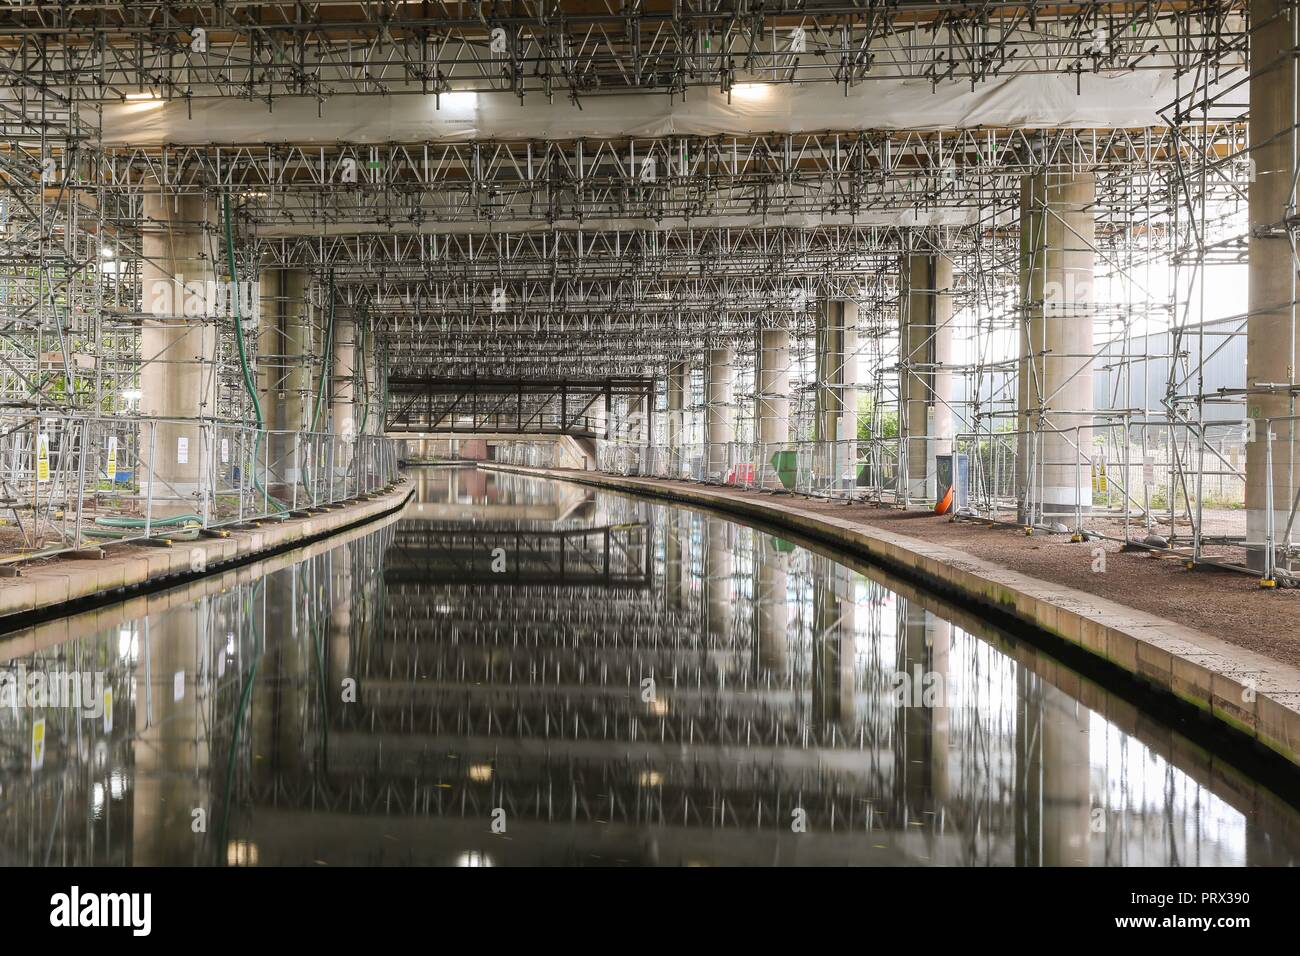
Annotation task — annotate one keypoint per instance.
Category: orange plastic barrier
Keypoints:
(742, 474)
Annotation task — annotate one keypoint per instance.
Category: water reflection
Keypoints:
(518, 671)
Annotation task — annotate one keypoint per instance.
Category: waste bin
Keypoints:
(786, 466)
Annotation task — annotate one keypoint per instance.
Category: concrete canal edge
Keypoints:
(68, 586)
(1243, 690)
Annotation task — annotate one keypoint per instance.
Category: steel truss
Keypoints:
(100, 52)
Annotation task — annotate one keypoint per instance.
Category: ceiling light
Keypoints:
(457, 99)
(141, 97)
(751, 91)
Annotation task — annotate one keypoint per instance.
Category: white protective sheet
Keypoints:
(1130, 100)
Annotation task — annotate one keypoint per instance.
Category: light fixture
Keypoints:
(750, 91)
(457, 99)
(480, 772)
(106, 252)
(141, 97)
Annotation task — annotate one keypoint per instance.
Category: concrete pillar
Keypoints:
(342, 387)
(178, 347)
(678, 380)
(340, 649)
(925, 369)
(284, 345)
(1273, 322)
(836, 406)
(1066, 788)
(833, 644)
(674, 561)
(922, 752)
(719, 598)
(369, 414)
(771, 607)
(171, 747)
(772, 404)
(277, 728)
(1056, 363)
(719, 413)
(270, 348)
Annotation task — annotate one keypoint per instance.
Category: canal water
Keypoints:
(520, 671)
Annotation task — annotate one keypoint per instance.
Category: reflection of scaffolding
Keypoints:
(776, 679)
(432, 553)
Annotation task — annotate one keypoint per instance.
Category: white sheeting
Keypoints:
(882, 217)
(1121, 100)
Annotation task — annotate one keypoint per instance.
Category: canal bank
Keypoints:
(51, 588)
(1245, 690)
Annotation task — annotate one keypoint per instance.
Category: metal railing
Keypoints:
(540, 454)
(819, 469)
(69, 482)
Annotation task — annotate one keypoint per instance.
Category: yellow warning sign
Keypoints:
(1099, 475)
(112, 459)
(42, 457)
(38, 744)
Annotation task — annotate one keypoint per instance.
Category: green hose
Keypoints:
(327, 363)
(365, 384)
(243, 353)
(245, 697)
(184, 527)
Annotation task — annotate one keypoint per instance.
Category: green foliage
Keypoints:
(866, 420)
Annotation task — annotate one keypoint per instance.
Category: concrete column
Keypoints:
(369, 402)
(277, 728)
(772, 404)
(178, 347)
(342, 388)
(674, 561)
(1056, 363)
(925, 369)
(771, 610)
(284, 344)
(270, 348)
(171, 748)
(1273, 323)
(837, 372)
(340, 650)
(1066, 789)
(719, 598)
(719, 414)
(833, 647)
(922, 751)
(678, 379)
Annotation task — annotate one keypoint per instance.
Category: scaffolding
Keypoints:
(628, 249)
